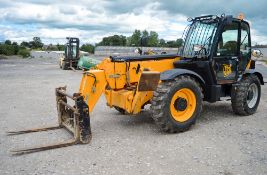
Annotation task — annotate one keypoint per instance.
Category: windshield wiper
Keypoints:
(244, 39)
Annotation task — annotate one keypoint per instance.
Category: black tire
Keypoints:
(161, 102)
(120, 110)
(64, 65)
(241, 94)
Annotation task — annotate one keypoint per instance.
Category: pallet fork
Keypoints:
(74, 119)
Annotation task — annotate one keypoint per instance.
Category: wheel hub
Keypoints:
(180, 104)
(183, 104)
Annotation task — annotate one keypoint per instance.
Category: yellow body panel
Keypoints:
(108, 68)
(119, 82)
(92, 86)
(140, 99)
(133, 76)
(121, 98)
(128, 100)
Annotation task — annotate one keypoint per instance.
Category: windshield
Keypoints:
(199, 39)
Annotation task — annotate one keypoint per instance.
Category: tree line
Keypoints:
(13, 48)
(137, 39)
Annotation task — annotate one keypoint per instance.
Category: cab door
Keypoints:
(226, 56)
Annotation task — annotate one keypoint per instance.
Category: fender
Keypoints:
(252, 71)
(171, 74)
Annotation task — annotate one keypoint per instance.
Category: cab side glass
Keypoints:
(227, 45)
(245, 48)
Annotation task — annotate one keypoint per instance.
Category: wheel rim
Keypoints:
(181, 110)
(252, 95)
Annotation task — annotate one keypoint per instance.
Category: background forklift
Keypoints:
(71, 54)
(215, 62)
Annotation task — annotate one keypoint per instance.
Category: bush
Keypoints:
(88, 48)
(24, 53)
(7, 49)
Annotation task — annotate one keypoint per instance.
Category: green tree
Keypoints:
(171, 44)
(153, 39)
(128, 41)
(162, 43)
(115, 40)
(6, 49)
(2, 49)
(16, 47)
(145, 34)
(179, 42)
(88, 48)
(52, 47)
(135, 38)
(144, 41)
(36, 43)
(24, 44)
(60, 47)
(8, 42)
(12, 48)
(176, 44)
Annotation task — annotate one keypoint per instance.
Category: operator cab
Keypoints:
(219, 50)
(223, 46)
(72, 49)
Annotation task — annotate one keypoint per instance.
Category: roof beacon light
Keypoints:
(241, 16)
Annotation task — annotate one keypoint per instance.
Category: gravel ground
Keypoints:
(219, 143)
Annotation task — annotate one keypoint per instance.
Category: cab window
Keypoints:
(245, 49)
(244, 45)
(228, 41)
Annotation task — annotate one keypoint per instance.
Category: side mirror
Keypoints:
(197, 48)
(256, 53)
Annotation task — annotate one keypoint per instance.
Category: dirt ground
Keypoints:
(219, 143)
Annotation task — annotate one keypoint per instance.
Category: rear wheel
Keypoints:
(246, 95)
(176, 104)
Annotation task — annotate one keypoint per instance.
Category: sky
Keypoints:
(91, 20)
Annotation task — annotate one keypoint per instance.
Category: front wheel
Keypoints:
(176, 104)
(246, 95)
(64, 65)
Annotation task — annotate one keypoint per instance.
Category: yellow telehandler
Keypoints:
(215, 62)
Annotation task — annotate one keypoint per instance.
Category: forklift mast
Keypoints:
(72, 48)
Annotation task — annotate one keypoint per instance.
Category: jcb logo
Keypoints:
(227, 69)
